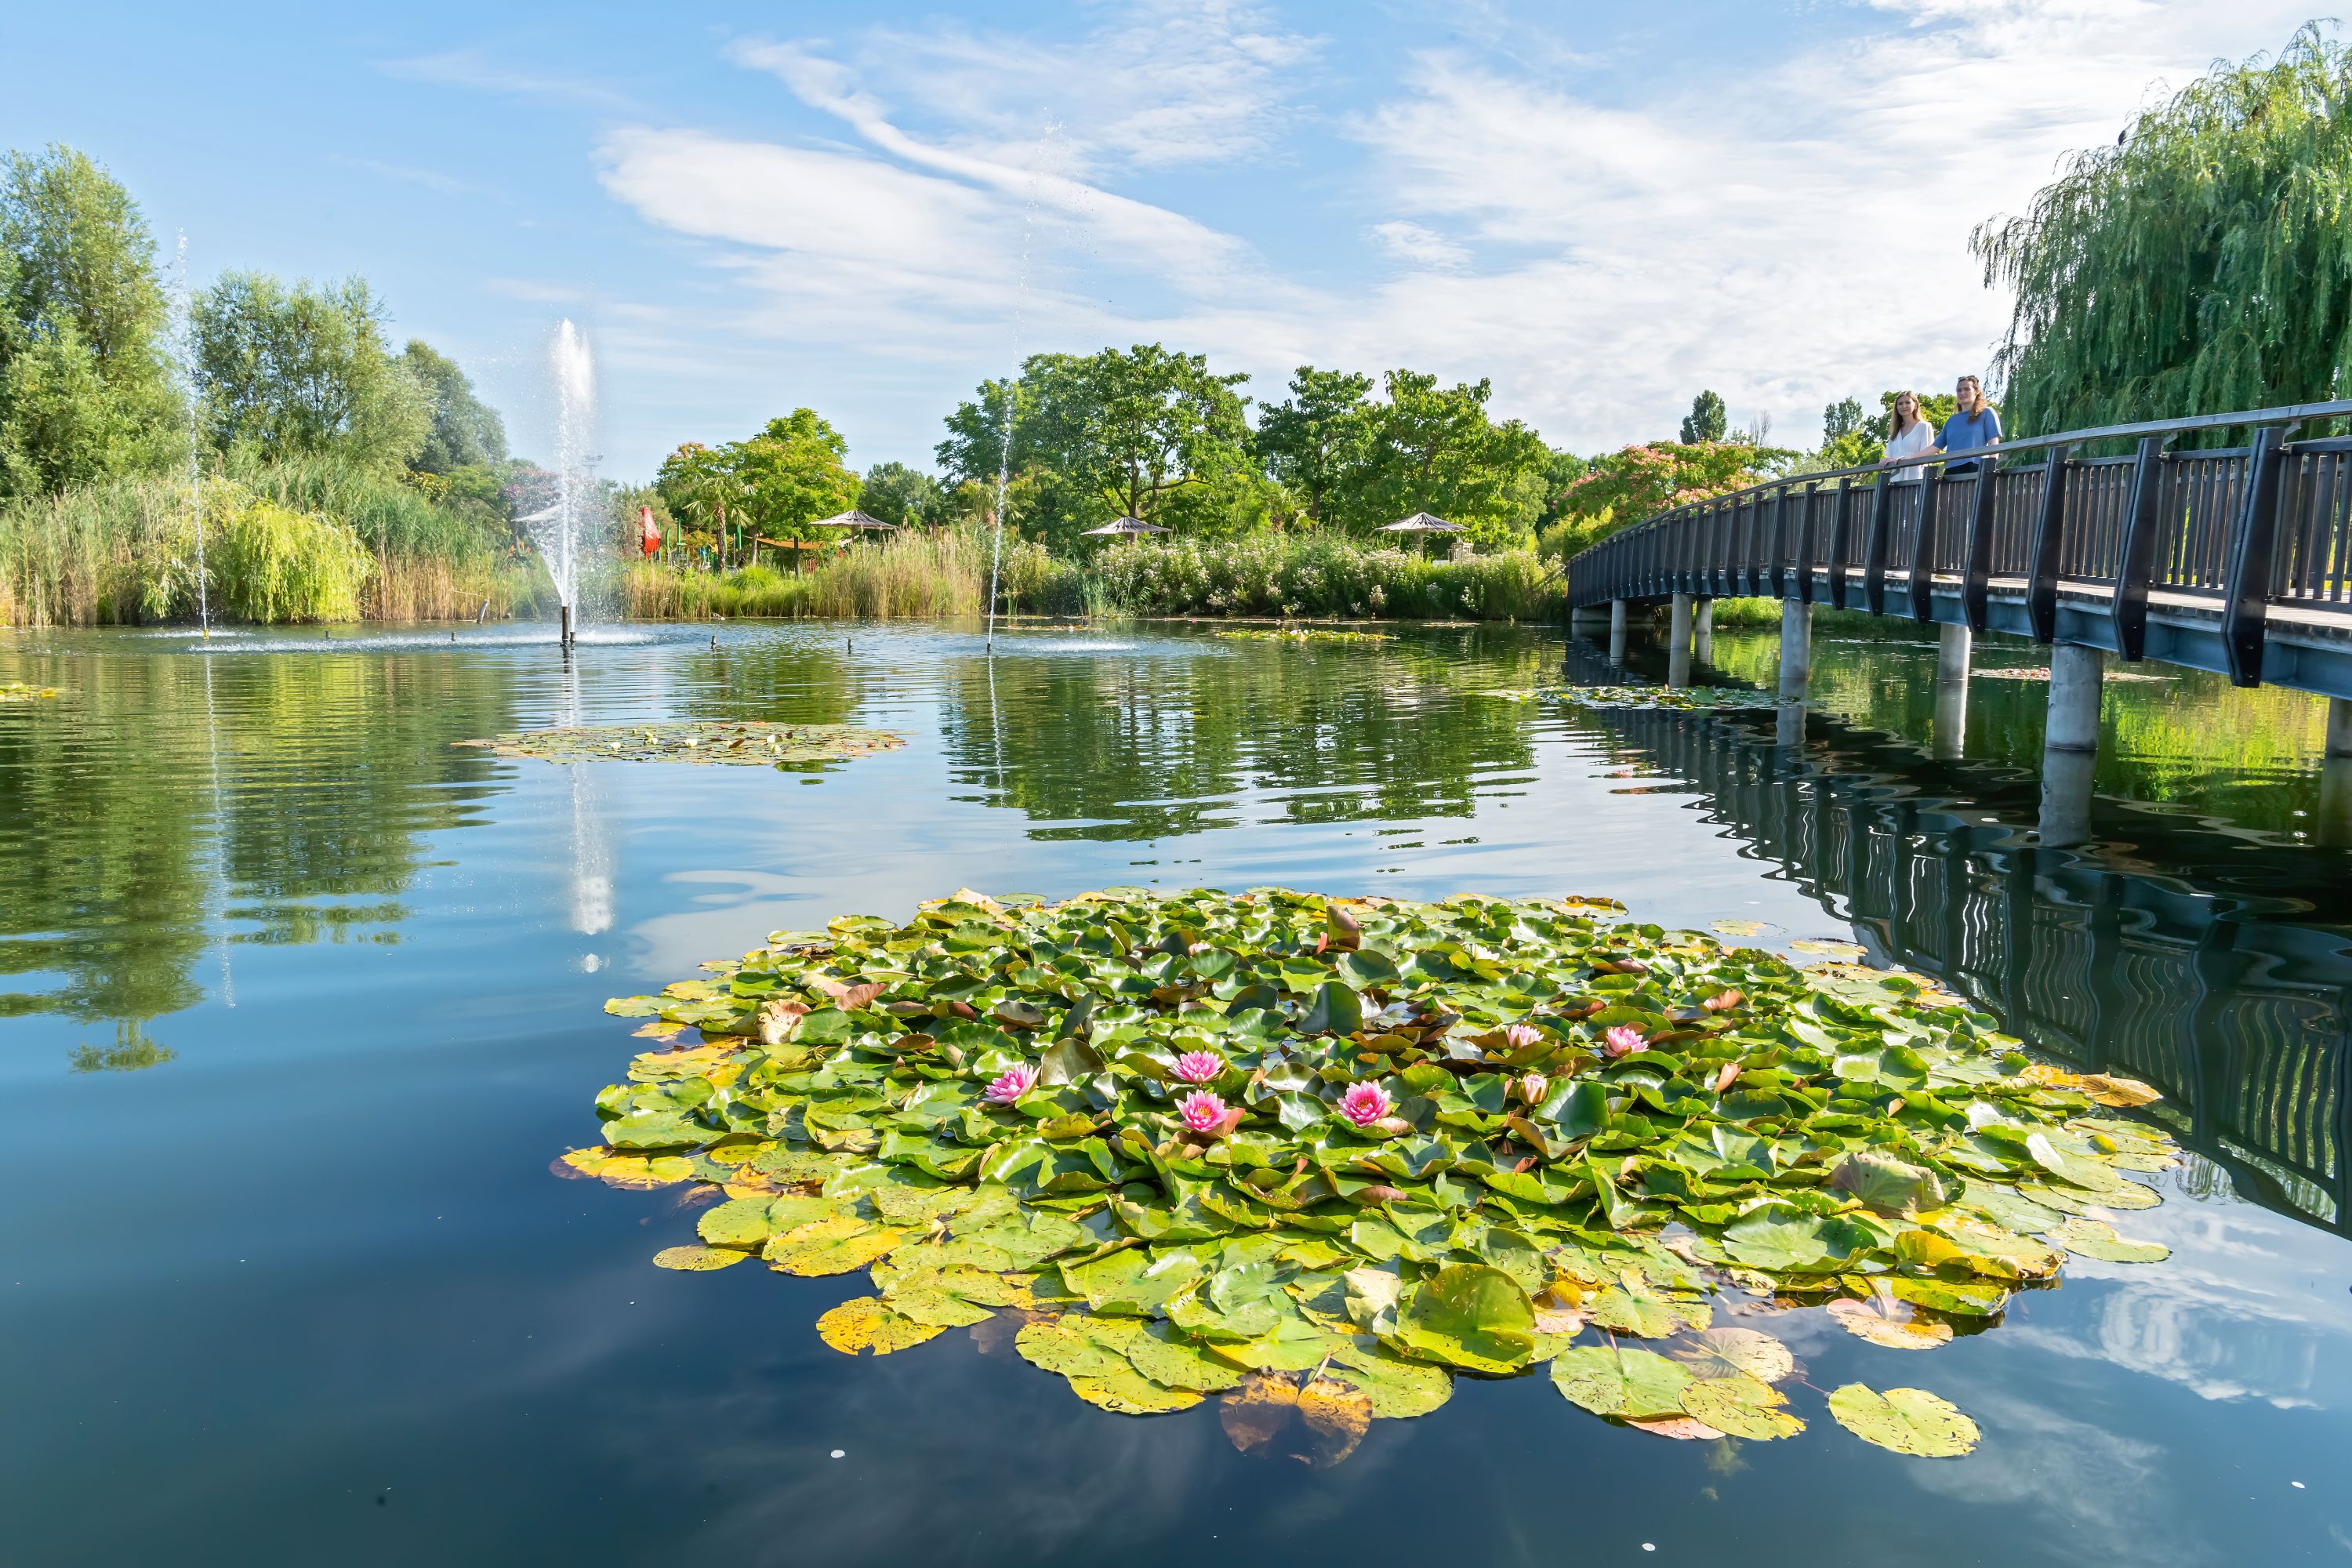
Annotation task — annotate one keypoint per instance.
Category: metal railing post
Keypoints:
(2049, 535)
(2246, 579)
(1923, 548)
(2136, 563)
(1873, 560)
(1976, 582)
(1842, 545)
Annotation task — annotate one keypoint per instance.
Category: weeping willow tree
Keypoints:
(2202, 264)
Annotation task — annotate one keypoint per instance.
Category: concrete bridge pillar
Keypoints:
(1951, 693)
(1703, 632)
(2070, 744)
(1796, 648)
(2075, 676)
(1588, 618)
(1678, 643)
(1788, 723)
(2335, 825)
(1617, 631)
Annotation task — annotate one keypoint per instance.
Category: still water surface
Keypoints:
(297, 1003)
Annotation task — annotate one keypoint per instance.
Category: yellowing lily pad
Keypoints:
(699, 1260)
(864, 1323)
(2096, 1238)
(1907, 1420)
(1740, 1407)
(1891, 1326)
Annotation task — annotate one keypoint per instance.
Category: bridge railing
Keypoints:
(2230, 532)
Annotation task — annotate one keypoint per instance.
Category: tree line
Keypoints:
(2196, 265)
(98, 382)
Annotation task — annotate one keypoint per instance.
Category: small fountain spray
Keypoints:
(1004, 443)
(557, 530)
(187, 335)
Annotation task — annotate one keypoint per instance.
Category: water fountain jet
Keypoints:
(558, 530)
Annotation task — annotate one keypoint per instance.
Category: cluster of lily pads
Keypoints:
(694, 741)
(1302, 634)
(1702, 698)
(23, 691)
(1321, 1155)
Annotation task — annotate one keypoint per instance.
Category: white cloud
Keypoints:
(1600, 238)
(1417, 245)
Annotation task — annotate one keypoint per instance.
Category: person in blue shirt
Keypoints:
(1976, 424)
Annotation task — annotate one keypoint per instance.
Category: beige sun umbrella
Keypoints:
(1124, 527)
(1422, 523)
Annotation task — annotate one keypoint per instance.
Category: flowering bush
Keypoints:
(1278, 574)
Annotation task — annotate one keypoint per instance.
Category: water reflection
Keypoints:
(2225, 978)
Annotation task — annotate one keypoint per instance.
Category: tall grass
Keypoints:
(946, 574)
(289, 542)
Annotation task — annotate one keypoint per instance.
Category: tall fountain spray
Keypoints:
(560, 530)
(185, 304)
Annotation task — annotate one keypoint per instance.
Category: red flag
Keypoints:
(647, 535)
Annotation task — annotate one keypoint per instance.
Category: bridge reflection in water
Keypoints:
(2210, 962)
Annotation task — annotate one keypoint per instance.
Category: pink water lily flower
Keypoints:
(1012, 1084)
(1199, 1067)
(1623, 1041)
(1365, 1103)
(1517, 1035)
(1534, 1087)
(1201, 1111)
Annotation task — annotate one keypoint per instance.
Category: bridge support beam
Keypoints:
(2070, 744)
(1788, 723)
(1796, 649)
(1703, 632)
(1678, 643)
(1951, 734)
(1617, 612)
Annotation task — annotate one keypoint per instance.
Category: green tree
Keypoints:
(1436, 451)
(465, 432)
(791, 475)
(304, 372)
(2197, 264)
(700, 485)
(906, 496)
(1706, 420)
(85, 379)
(1318, 441)
(1117, 433)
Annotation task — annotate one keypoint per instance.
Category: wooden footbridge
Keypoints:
(2131, 539)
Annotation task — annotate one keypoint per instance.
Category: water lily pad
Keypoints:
(1828, 947)
(1732, 1352)
(1469, 1315)
(1740, 1406)
(1907, 1420)
(1619, 1381)
(862, 1324)
(738, 741)
(837, 1245)
(2096, 1238)
(1890, 1325)
(699, 1260)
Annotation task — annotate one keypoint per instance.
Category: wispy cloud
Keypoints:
(410, 174)
(479, 71)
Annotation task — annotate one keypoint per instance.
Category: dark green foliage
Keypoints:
(906, 496)
(303, 372)
(1706, 420)
(465, 431)
(85, 384)
(2203, 263)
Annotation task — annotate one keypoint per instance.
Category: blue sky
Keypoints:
(866, 208)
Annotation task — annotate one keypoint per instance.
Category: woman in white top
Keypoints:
(1907, 435)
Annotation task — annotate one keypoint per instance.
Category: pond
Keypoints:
(303, 999)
